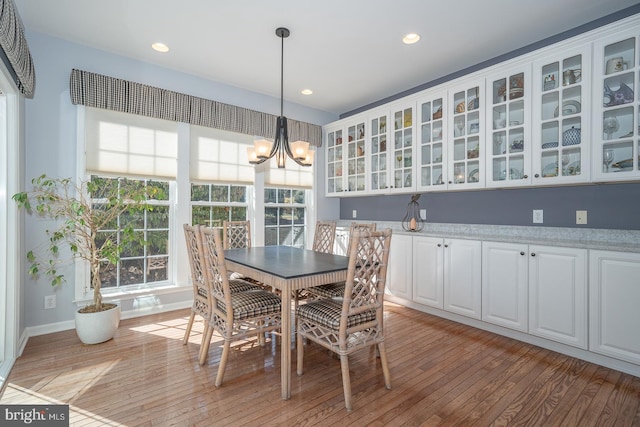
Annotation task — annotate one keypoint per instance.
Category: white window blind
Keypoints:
(292, 176)
(220, 156)
(129, 144)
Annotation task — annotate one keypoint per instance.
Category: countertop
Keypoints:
(587, 238)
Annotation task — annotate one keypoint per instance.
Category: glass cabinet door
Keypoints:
(378, 153)
(508, 151)
(561, 136)
(616, 139)
(431, 173)
(466, 147)
(355, 157)
(403, 147)
(334, 163)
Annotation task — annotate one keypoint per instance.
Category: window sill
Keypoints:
(131, 294)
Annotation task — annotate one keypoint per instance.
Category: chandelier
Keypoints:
(263, 149)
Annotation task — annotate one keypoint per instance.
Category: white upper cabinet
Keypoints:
(508, 152)
(334, 161)
(465, 139)
(345, 164)
(403, 150)
(561, 133)
(615, 107)
(431, 173)
(378, 149)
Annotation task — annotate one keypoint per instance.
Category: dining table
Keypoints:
(288, 269)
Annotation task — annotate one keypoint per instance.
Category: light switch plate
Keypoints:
(423, 213)
(538, 216)
(354, 214)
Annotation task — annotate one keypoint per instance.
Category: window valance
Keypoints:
(96, 90)
(15, 51)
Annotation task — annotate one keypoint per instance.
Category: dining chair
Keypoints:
(237, 235)
(356, 320)
(324, 237)
(201, 305)
(334, 290)
(234, 315)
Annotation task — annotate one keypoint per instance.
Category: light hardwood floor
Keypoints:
(442, 373)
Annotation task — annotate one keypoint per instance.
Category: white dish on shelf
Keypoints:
(568, 107)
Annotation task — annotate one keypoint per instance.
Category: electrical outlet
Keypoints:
(581, 217)
(538, 216)
(354, 214)
(49, 302)
(423, 213)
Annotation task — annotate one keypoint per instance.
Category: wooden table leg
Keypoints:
(285, 362)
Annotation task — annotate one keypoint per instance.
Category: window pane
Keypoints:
(238, 214)
(270, 195)
(271, 236)
(135, 219)
(108, 274)
(105, 186)
(158, 242)
(157, 269)
(286, 236)
(200, 215)
(298, 196)
(132, 249)
(298, 237)
(199, 193)
(219, 214)
(220, 193)
(131, 271)
(238, 194)
(158, 217)
(298, 216)
(284, 195)
(271, 216)
(163, 186)
(286, 216)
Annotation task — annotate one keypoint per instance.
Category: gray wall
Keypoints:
(612, 206)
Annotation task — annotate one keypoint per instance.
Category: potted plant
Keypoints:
(93, 231)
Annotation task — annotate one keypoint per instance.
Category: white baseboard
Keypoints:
(34, 331)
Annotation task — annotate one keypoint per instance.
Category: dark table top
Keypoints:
(287, 262)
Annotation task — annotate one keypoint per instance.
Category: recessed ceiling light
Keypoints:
(307, 91)
(411, 38)
(160, 47)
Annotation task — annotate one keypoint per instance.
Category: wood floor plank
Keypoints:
(443, 374)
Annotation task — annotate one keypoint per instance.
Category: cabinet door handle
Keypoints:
(537, 175)
(439, 245)
(533, 254)
(450, 182)
(525, 177)
(522, 253)
(446, 246)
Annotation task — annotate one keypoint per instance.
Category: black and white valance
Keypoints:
(96, 90)
(15, 51)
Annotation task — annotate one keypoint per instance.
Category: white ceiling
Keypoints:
(349, 52)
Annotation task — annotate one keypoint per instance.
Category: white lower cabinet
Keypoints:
(447, 274)
(428, 271)
(558, 294)
(505, 278)
(615, 304)
(463, 277)
(399, 270)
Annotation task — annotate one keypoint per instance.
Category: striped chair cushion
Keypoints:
(326, 312)
(331, 290)
(252, 304)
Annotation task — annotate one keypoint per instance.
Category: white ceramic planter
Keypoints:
(94, 328)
